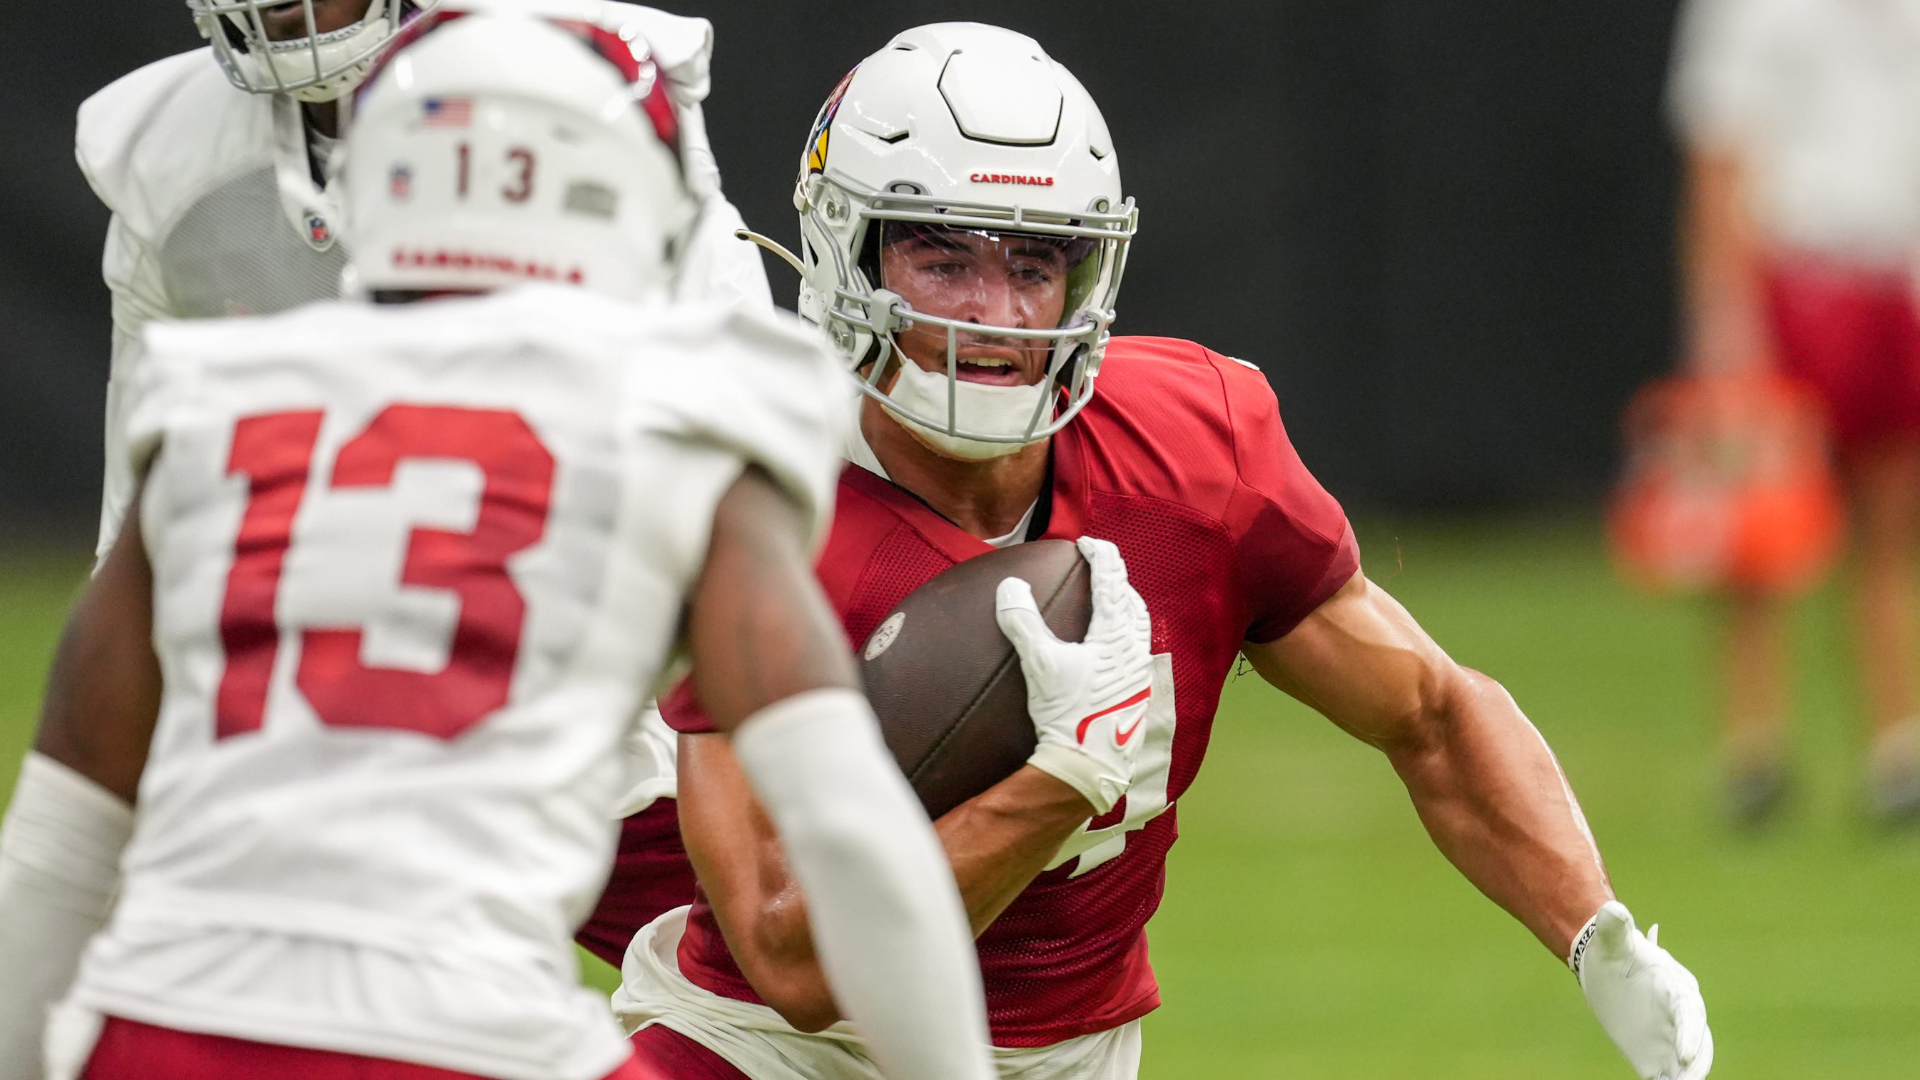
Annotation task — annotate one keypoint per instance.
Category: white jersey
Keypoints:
(217, 211)
(1818, 98)
(415, 571)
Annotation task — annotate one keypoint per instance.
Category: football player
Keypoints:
(338, 717)
(963, 234)
(214, 164)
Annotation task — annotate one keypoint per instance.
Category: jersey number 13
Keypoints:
(275, 453)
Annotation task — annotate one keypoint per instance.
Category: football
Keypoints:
(946, 683)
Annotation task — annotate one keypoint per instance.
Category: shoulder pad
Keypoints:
(150, 136)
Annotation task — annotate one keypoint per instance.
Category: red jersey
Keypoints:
(1181, 461)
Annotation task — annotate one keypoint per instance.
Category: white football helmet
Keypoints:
(493, 148)
(961, 126)
(311, 66)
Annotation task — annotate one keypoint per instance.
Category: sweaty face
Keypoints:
(288, 21)
(990, 279)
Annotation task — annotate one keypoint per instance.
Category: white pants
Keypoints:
(756, 1041)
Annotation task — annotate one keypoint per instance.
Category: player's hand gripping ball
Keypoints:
(1088, 700)
(953, 693)
(1647, 1002)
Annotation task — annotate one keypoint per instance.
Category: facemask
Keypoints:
(977, 407)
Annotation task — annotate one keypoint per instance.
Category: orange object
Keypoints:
(1728, 485)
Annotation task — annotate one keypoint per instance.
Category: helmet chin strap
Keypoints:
(1003, 410)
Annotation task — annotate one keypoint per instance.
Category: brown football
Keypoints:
(946, 683)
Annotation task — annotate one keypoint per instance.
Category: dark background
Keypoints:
(1443, 227)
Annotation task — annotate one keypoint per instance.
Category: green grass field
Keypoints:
(1310, 930)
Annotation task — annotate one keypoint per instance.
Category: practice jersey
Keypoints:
(217, 209)
(1817, 97)
(1181, 461)
(416, 569)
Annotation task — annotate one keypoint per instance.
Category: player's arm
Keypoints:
(1724, 92)
(772, 669)
(1722, 265)
(996, 842)
(1494, 800)
(72, 810)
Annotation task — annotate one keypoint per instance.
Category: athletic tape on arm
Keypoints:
(59, 870)
(886, 915)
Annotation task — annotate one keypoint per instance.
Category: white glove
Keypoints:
(1648, 1004)
(1087, 699)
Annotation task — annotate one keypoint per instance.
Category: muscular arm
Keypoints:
(996, 842)
(72, 813)
(103, 694)
(757, 627)
(1483, 780)
(772, 668)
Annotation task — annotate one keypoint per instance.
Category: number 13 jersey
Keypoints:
(415, 571)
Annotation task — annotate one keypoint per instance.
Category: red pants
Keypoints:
(128, 1050)
(1851, 334)
(651, 875)
(672, 1054)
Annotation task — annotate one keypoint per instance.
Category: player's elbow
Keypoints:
(797, 991)
(1432, 710)
(807, 1013)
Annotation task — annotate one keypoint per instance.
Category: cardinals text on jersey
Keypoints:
(415, 571)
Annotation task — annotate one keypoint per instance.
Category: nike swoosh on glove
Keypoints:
(1087, 699)
(1646, 1001)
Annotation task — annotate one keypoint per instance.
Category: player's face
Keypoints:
(289, 20)
(1004, 279)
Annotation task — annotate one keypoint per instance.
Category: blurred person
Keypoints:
(1801, 216)
(338, 717)
(214, 164)
(963, 235)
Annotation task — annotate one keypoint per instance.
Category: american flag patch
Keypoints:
(449, 112)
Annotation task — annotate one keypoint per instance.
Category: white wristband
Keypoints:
(1581, 940)
(64, 834)
(59, 871)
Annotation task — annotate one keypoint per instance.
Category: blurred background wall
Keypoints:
(1443, 227)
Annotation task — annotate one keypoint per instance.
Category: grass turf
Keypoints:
(1309, 928)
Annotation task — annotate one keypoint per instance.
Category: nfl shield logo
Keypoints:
(319, 233)
(400, 182)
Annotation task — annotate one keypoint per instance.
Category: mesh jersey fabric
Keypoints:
(1181, 460)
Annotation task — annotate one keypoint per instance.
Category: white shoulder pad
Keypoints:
(758, 384)
(682, 46)
(150, 139)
